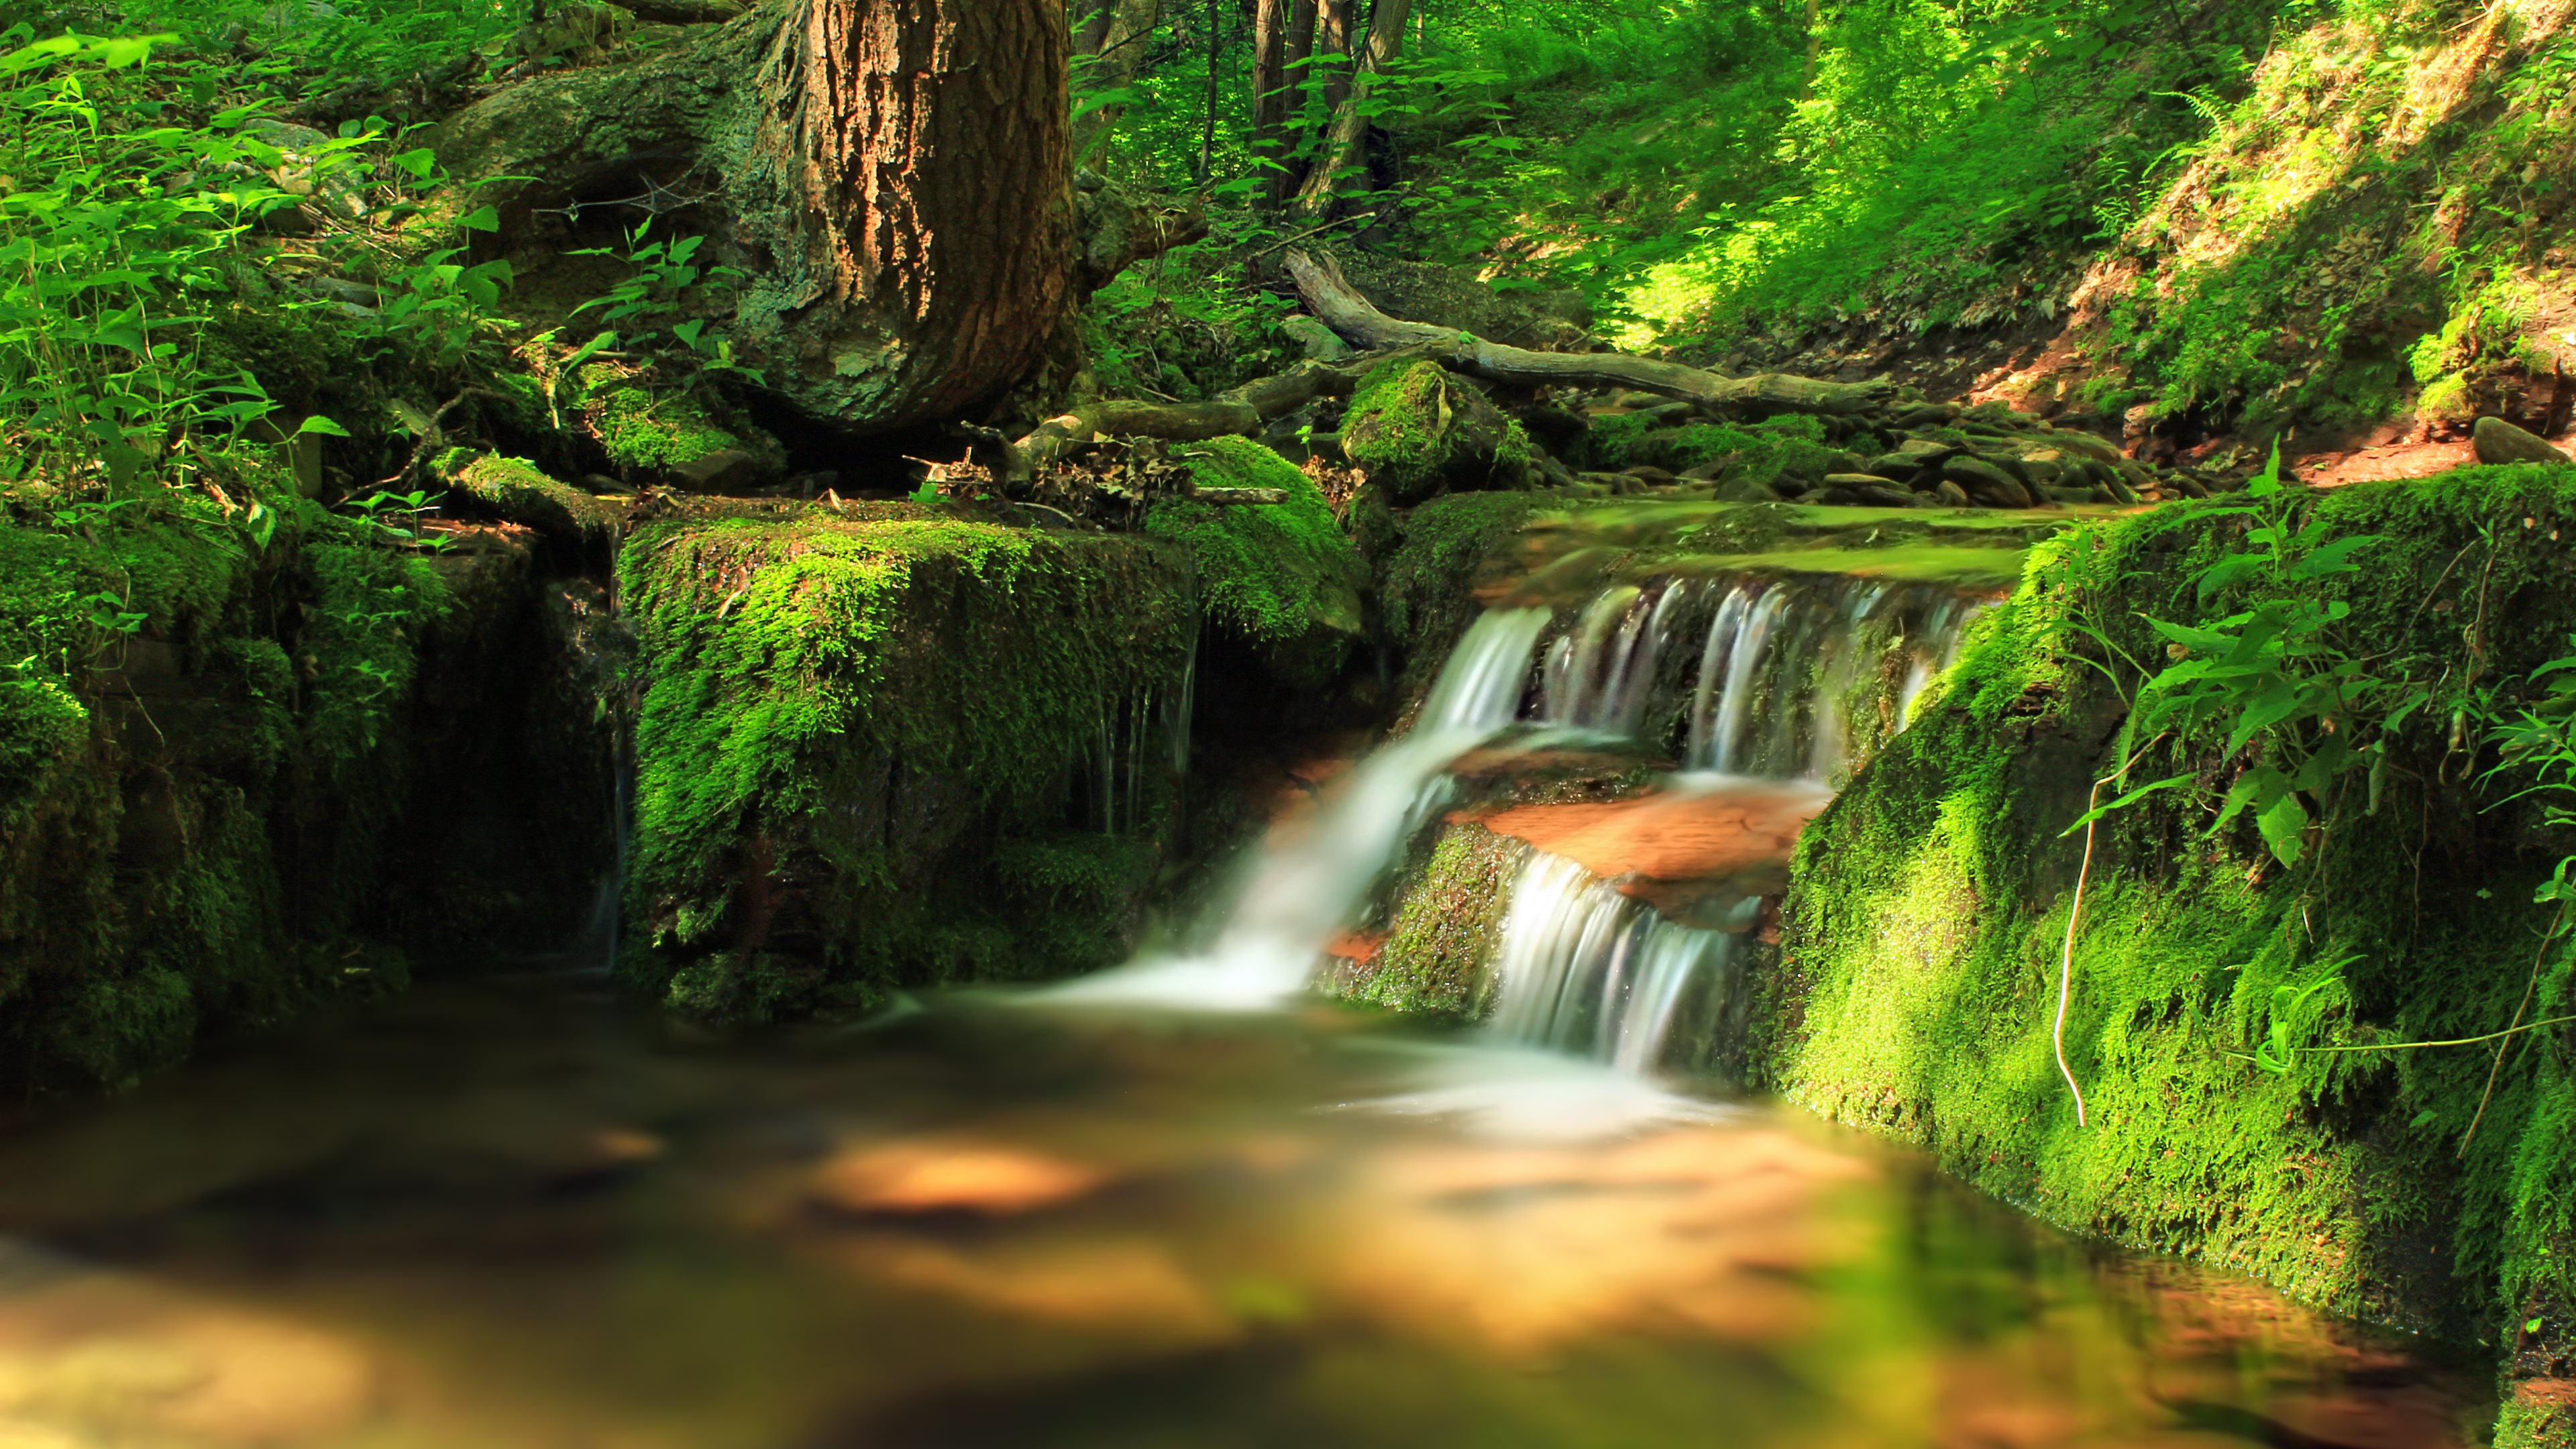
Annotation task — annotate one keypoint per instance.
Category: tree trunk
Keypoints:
(1269, 84)
(1207, 136)
(1294, 70)
(1117, 52)
(1346, 135)
(1333, 51)
(893, 175)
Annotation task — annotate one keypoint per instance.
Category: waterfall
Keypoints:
(1302, 891)
(1586, 969)
(1769, 693)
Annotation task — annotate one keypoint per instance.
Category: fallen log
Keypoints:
(1342, 308)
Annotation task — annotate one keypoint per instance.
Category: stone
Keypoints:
(1649, 473)
(2099, 449)
(1951, 495)
(1899, 465)
(1708, 472)
(1315, 341)
(2498, 441)
(1986, 482)
(1863, 490)
(721, 471)
(1927, 451)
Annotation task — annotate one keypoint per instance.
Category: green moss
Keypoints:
(1433, 960)
(1784, 454)
(1427, 585)
(649, 432)
(518, 490)
(861, 703)
(1916, 984)
(190, 723)
(1417, 431)
(1281, 576)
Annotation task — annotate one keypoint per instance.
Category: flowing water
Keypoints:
(518, 1211)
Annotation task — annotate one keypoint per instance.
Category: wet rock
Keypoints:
(2498, 441)
(1986, 482)
(1900, 465)
(1864, 491)
(2099, 449)
(1648, 473)
(725, 470)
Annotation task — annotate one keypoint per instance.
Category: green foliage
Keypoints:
(2259, 1042)
(2275, 677)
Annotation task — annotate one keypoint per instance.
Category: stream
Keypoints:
(1182, 1203)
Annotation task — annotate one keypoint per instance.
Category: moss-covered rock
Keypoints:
(1418, 432)
(1778, 457)
(1916, 982)
(521, 492)
(1280, 576)
(665, 434)
(847, 721)
(211, 752)
(1448, 919)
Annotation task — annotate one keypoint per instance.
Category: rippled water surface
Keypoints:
(514, 1212)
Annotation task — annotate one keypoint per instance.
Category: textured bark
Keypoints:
(1347, 131)
(1335, 300)
(1114, 38)
(1269, 79)
(894, 176)
(1297, 47)
(927, 140)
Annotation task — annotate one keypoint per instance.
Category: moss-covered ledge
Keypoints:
(1915, 983)
(894, 745)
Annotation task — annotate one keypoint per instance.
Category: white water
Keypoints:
(1586, 969)
(1303, 892)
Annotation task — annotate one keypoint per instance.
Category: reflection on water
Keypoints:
(512, 1213)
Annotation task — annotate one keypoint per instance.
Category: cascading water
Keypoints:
(1303, 892)
(1769, 694)
(1587, 969)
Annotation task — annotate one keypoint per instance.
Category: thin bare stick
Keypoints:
(2496, 1068)
(2066, 959)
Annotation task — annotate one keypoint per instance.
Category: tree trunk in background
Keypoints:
(1346, 135)
(1297, 48)
(1207, 136)
(1269, 96)
(1115, 37)
(1332, 51)
(893, 176)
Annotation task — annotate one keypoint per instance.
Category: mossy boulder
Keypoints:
(1915, 985)
(671, 436)
(1279, 576)
(863, 742)
(1419, 432)
(1776, 458)
(212, 782)
(1448, 922)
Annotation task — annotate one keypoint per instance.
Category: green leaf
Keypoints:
(481, 218)
(2282, 825)
(320, 424)
(2423, 1118)
(2125, 801)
